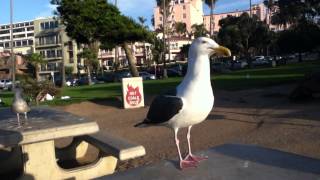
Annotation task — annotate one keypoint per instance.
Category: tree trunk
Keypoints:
(37, 72)
(131, 60)
(211, 17)
(300, 57)
(89, 75)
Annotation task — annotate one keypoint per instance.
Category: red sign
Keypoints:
(133, 96)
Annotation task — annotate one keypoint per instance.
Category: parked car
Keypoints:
(238, 64)
(5, 84)
(72, 82)
(260, 61)
(147, 76)
(173, 72)
(119, 75)
(85, 81)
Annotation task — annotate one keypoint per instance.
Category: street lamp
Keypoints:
(13, 61)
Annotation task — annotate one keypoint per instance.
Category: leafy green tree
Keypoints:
(301, 38)
(244, 34)
(180, 28)
(69, 70)
(90, 59)
(199, 30)
(85, 21)
(124, 32)
(211, 4)
(36, 60)
(293, 11)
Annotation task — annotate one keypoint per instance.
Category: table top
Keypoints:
(43, 124)
(231, 162)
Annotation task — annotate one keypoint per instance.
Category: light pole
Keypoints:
(11, 44)
(164, 21)
(116, 53)
(250, 8)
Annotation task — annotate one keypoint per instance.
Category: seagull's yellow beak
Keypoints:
(223, 51)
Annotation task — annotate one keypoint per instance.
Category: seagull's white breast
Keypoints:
(197, 104)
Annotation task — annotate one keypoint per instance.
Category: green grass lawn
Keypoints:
(238, 80)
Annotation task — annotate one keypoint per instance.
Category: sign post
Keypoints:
(132, 92)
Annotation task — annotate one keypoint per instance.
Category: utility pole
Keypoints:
(250, 8)
(116, 53)
(164, 21)
(13, 60)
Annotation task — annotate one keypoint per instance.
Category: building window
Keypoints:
(71, 57)
(184, 6)
(5, 32)
(181, 1)
(160, 18)
(59, 53)
(30, 34)
(30, 28)
(1, 45)
(19, 30)
(184, 16)
(6, 45)
(24, 43)
(49, 25)
(18, 43)
(30, 42)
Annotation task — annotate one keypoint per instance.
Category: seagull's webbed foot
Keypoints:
(195, 159)
(187, 164)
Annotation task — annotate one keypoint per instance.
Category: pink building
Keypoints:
(187, 11)
(259, 10)
(6, 64)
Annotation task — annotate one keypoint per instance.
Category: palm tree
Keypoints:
(269, 4)
(142, 20)
(180, 28)
(211, 4)
(90, 58)
(36, 60)
(199, 30)
(164, 6)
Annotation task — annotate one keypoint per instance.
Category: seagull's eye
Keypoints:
(203, 42)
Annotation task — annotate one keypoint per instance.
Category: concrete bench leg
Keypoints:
(76, 150)
(40, 163)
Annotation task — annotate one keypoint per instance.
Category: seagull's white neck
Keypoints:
(198, 73)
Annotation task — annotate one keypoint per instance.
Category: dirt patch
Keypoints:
(263, 117)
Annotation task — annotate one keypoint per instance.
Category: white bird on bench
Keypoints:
(192, 101)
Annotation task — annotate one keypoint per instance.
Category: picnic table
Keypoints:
(33, 145)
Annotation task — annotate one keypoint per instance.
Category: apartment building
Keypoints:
(52, 42)
(23, 37)
(189, 12)
(141, 51)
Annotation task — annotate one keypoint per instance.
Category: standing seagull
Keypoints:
(19, 105)
(192, 100)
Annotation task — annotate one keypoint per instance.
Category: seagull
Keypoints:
(19, 105)
(191, 101)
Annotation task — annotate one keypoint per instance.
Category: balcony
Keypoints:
(48, 45)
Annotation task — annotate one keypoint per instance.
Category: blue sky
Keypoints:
(31, 9)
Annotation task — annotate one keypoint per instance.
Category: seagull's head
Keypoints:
(207, 46)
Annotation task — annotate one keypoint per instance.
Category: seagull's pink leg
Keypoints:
(183, 163)
(190, 156)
